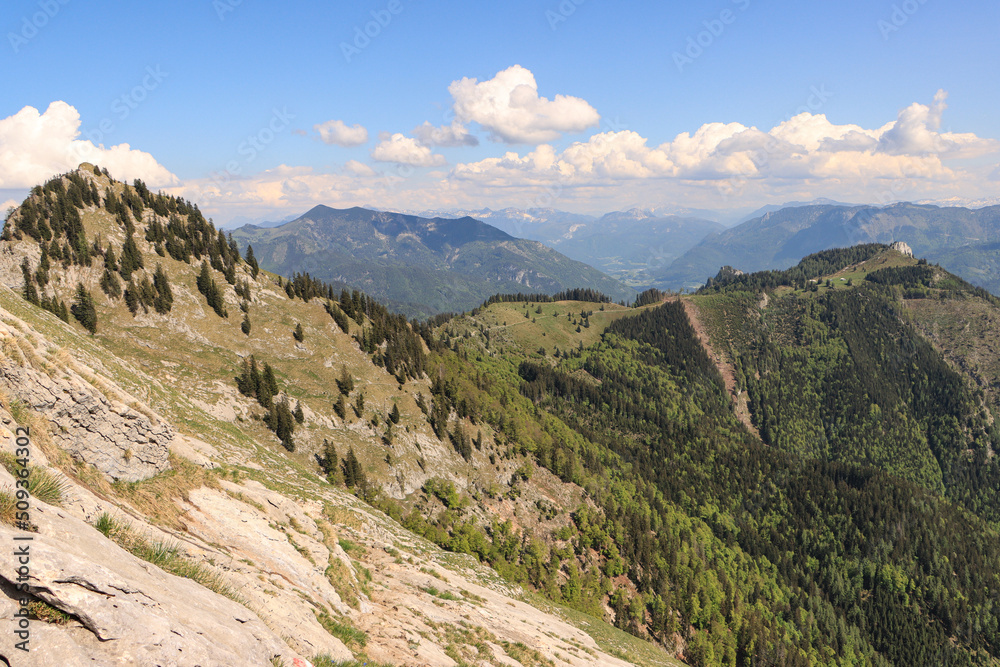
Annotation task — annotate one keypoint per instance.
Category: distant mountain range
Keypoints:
(628, 245)
(963, 240)
(419, 265)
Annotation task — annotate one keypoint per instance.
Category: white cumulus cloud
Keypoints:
(509, 107)
(337, 132)
(805, 156)
(915, 132)
(358, 168)
(35, 146)
(401, 149)
(805, 146)
(455, 134)
(717, 165)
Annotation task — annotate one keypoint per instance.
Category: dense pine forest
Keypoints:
(860, 529)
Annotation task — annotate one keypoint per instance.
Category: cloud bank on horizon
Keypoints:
(34, 146)
(717, 165)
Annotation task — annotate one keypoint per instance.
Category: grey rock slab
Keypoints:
(134, 612)
(120, 442)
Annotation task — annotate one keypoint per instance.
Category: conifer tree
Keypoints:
(340, 407)
(299, 415)
(147, 293)
(42, 273)
(299, 334)
(164, 300)
(248, 381)
(83, 309)
(110, 260)
(268, 384)
(353, 474)
(211, 291)
(30, 292)
(345, 383)
(283, 423)
(204, 281)
(131, 259)
(252, 261)
(394, 415)
(328, 460)
(110, 284)
(245, 326)
(132, 297)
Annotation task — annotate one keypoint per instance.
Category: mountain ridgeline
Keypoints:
(627, 245)
(591, 452)
(960, 239)
(421, 266)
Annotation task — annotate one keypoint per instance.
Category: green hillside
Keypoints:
(587, 451)
(420, 266)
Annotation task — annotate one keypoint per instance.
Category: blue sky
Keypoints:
(607, 94)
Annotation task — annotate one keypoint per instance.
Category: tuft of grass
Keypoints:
(340, 577)
(105, 524)
(341, 516)
(46, 613)
(43, 484)
(442, 595)
(343, 630)
(18, 410)
(528, 657)
(47, 486)
(472, 597)
(352, 548)
(165, 555)
(155, 497)
(324, 660)
(8, 510)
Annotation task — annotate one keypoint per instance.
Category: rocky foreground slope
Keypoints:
(267, 577)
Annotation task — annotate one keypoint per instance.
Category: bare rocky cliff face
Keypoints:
(158, 548)
(116, 439)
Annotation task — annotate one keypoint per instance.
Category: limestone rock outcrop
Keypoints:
(902, 247)
(117, 440)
